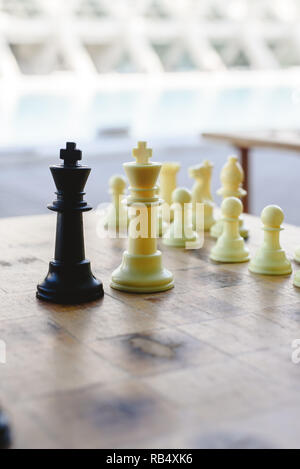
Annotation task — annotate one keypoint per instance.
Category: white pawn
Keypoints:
(230, 246)
(162, 225)
(271, 258)
(117, 219)
(181, 230)
(232, 177)
(168, 183)
(297, 254)
(201, 193)
(297, 279)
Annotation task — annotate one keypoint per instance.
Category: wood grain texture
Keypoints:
(207, 364)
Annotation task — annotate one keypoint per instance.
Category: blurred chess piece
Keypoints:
(5, 431)
(162, 225)
(297, 254)
(271, 258)
(168, 183)
(142, 269)
(232, 177)
(201, 193)
(230, 246)
(117, 219)
(181, 230)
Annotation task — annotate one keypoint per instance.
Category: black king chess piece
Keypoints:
(70, 279)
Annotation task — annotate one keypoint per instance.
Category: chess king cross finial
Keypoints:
(70, 154)
(142, 153)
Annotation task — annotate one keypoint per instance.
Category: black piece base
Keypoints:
(5, 433)
(70, 284)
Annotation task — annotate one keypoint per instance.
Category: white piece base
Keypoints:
(270, 263)
(142, 274)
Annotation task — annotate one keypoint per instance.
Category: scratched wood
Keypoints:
(207, 364)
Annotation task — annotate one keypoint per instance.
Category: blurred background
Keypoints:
(105, 73)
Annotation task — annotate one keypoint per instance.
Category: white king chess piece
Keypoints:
(141, 269)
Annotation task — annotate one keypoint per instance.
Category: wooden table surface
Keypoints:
(207, 364)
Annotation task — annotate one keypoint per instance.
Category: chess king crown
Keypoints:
(142, 175)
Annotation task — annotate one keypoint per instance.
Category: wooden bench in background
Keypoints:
(245, 141)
